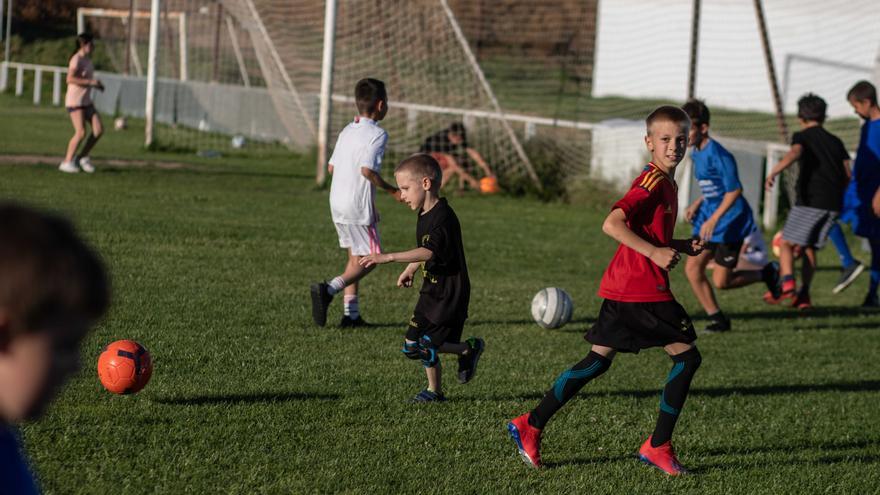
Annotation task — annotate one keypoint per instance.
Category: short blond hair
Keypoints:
(421, 165)
(668, 113)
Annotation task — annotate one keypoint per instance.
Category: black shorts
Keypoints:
(88, 111)
(631, 327)
(419, 326)
(726, 253)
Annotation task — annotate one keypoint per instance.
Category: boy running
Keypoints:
(355, 166)
(821, 182)
(438, 319)
(722, 218)
(866, 174)
(639, 310)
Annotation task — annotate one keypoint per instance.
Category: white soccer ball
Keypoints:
(119, 124)
(551, 307)
(238, 141)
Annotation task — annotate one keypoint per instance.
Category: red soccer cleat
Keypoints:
(802, 302)
(769, 299)
(527, 438)
(661, 457)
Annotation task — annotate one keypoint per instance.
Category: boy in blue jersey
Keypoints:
(722, 218)
(866, 175)
(52, 290)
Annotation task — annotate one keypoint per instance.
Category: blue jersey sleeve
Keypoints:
(729, 173)
(15, 476)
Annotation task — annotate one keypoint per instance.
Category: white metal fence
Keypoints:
(250, 111)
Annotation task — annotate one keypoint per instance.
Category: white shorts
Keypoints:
(361, 239)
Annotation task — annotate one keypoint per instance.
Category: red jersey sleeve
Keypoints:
(641, 194)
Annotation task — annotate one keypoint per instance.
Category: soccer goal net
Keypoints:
(548, 90)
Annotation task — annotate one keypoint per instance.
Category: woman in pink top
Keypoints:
(80, 81)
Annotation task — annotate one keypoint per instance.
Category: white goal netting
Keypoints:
(553, 87)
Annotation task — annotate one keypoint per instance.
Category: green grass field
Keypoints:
(211, 265)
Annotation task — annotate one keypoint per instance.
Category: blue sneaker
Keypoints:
(427, 396)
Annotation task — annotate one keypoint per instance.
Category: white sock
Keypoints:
(350, 307)
(335, 285)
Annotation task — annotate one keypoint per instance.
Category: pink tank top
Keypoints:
(81, 67)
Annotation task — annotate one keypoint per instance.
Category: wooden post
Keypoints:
(129, 43)
(215, 73)
(771, 72)
(8, 30)
(1, 19)
(695, 41)
(236, 48)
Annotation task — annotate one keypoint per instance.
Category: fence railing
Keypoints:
(38, 70)
(769, 152)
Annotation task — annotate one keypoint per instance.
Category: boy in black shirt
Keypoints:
(438, 319)
(821, 182)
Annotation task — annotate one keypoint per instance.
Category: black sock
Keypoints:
(567, 386)
(672, 400)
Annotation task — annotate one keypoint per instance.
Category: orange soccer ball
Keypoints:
(489, 185)
(124, 367)
(776, 245)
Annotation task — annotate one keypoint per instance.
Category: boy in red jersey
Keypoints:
(639, 310)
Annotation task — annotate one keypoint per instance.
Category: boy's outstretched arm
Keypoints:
(406, 276)
(727, 201)
(377, 180)
(691, 211)
(615, 226)
(690, 247)
(416, 256)
(793, 154)
(478, 158)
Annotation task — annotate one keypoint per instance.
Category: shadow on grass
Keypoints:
(200, 169)
(589, 461)
(856, 386)
(576, 324)
(255, 398)
(867, 325)
(831, 453)
(769, 449)
(815, 312)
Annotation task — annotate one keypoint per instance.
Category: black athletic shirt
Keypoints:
(440, 143)
(822, 178)
(446, 290)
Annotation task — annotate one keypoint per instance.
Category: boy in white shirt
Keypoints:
(355, 166)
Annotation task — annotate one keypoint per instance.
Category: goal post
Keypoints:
(326, 91)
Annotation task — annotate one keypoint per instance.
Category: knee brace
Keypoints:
(428, 352)
(678, 383)
(690, 361)
(411, 350)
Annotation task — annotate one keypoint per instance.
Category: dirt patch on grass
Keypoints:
(109, 162)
